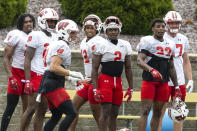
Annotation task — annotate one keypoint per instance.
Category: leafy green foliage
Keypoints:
(136, 15)
(10, 10)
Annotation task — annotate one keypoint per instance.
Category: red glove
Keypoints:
(14, 85)
(28, 87)
(129, 94)
(97, 95)
(156, 75)
(177, 92)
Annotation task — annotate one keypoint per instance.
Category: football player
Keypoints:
(15, 48)
(173, 22)
(58, 59)
(34, 67)
(113, 55)
(91, 26)
(155, 58)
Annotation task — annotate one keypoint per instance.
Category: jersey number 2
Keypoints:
(85, 56)
(118, 55)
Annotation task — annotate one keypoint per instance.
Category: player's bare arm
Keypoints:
(128, 70)
(96, 60)
(27, 65)
(56, 67)
(173, 73)
(140, 61)
(187, 66)
(8, 53)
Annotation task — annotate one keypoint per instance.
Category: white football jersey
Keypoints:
(40, 41)
(112, 52)
(86, 52)
(58, 48)
(163, 49)
(181, 46)
(18, 39)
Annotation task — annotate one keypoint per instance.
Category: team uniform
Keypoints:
(158, 56)
(86, 52)
(18, 39)
(112, 61)
(182, 45)
(38, 40)
(52, 85)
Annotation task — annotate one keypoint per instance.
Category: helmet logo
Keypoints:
(62, 25)
(42, 13)
(46, 44)
(29, 38)
(54, 14)
(174, 16)
(60, 51)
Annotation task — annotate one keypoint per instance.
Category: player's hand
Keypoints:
(129, 94)
(76, 82)
(14, 85)
(28, 87)
(190, 86)
(97, 95)
(156, 75)
(88, 80)
(76, 74)
(177, 92)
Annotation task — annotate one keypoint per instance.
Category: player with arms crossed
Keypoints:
(112, 55)
(34, 67)
(155, 58)
(181, 60)
(15, 47)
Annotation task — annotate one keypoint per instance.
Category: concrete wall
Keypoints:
(132, 108)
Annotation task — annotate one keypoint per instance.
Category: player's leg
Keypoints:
(113, 117)
(12, 101)
(40, 114)
(157, 108)
(96, 112)
(105, 116)
(53, 121)
(27, 115)
(95, 106)
(67, 108)
(162, 115)
(162, 95)
(164, 108)
(145, 110)
(24, 99)
(12, 98)
(116, 102)
(147, 98)
(78, 101)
